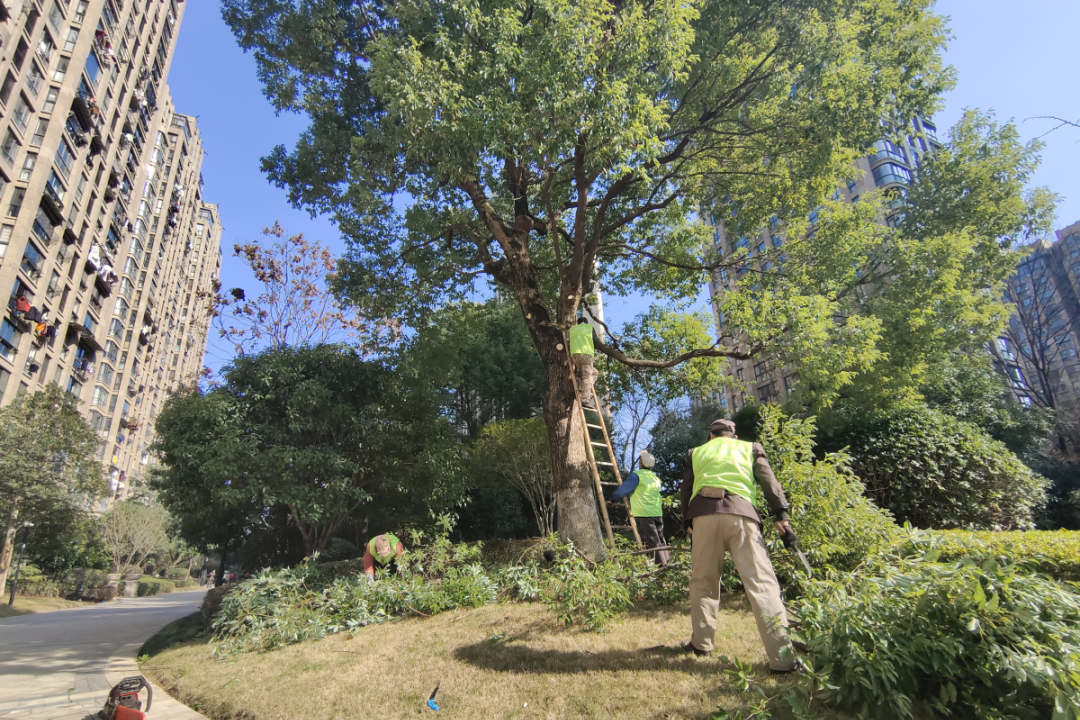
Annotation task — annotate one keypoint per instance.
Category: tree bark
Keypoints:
(578, 516)
(8, 544)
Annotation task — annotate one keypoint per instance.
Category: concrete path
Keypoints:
(60, 665)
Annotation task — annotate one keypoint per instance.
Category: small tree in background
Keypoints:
(293, 306)
(46, 462)
(132, 532)
(516, 452)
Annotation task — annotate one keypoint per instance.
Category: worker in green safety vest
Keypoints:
(383, 550)
(719, 489)
(582, 352)
(643, 488)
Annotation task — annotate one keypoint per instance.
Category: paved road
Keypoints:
(60, 665)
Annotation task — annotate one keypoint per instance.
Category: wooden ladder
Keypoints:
(604, 442)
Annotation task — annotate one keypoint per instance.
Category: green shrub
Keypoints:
(32, 581)
(1054, 553)
(149, 585)
(584, 593)
(341, 549)
(179, 576)
(211, 603)
(909, 636)
(934, 471)
(278, 607)
(837, 526)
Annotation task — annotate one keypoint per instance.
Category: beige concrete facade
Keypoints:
(889, 168)
(103, 228)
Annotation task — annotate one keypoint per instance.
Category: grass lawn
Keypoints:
(498, 661)
(24, 605)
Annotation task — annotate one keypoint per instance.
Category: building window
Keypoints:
(50, 99)
(100, 397)
(93, 68)
(35, 79)
(56, 16)
(15, 205)
(21, 113)
(10, 147)
(32, 260)
(64, 158)
(45, 47)
(887, 173)
(9, 341)
(6, 88)
(5, 238)
(61, 69)
(41, 232)
(39, 133)
(27, 167)
(71, 39)
(56, 186)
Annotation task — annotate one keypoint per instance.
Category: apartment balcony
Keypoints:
(81, 110)
(52, 206)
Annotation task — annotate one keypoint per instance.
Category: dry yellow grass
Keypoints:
(24, 605)
(499, 661)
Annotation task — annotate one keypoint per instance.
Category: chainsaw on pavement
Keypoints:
(124, 703)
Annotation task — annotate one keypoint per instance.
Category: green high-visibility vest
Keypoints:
(645, 500)
(581, 339)
(726, 463)
(394, 545)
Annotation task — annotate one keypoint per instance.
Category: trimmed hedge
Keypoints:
(149, 585)
(1055, 553)
(32, 581)
(179, 576)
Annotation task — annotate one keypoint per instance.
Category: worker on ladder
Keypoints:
(643, 487)
(582, 352)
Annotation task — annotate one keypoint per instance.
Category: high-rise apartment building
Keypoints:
(891, 168)
(1038, 350)
(107, 248)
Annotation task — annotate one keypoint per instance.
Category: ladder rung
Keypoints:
(611, 484)
(598, 444)
(605, 463)
(621, 527)
(594, 427)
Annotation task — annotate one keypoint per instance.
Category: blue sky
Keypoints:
(1013, 58)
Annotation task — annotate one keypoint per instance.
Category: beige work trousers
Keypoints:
(713, 536)
(586, 376)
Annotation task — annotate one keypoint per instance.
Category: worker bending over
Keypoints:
(383, 550)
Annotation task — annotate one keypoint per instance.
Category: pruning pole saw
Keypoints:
(792, 544)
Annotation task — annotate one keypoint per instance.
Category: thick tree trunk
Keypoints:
(575, 496)
(8, 544)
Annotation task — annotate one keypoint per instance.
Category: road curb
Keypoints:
(164, 706)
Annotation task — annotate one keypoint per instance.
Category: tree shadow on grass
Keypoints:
(512, 657)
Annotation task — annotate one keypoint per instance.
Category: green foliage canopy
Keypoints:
(315, 432)
(938, 472)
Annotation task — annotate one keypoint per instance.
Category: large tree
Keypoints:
(550, 145)
(46, 462)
